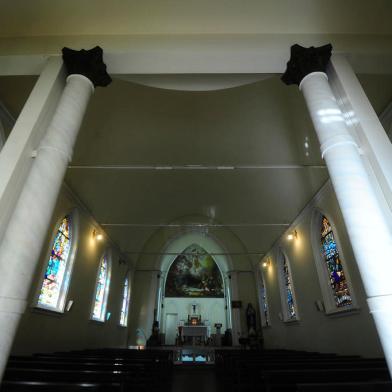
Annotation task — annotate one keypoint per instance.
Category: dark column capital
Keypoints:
(304, 61)
(88, 63)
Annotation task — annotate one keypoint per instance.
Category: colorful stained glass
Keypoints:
(334, 265)
(125, 304)
(291, 312)
(264, 305)
(56, 277)
(102, 290)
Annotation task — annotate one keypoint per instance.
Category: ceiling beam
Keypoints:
(192, 254)
(193, 167)
(192, 225)
(195, 54)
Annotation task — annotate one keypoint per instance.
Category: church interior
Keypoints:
(177, 215)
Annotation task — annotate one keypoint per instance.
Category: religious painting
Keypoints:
(194, 273)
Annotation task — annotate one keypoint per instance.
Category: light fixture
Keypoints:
(266, 263)
(292, 235)
(97, 236)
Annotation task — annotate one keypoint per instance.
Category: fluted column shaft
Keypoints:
(366, 224)
(23, 239)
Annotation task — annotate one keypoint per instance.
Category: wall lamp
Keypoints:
(292, 235)
(97, 236)
(266, 263)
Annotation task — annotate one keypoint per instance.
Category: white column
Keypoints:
(366, 224)
(2, 136)
(22, 241)
(26, 134)
(229, 324)
(236, 312)
(363, 123)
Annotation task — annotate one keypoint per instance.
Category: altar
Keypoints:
(195, 331)
(200, 332)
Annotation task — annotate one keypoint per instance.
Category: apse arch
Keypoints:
(172, 305)
(206, 241)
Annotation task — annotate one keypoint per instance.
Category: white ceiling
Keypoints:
(131, 125)
(123, 17)
(260, 124)
(264, 123)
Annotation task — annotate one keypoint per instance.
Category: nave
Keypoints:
(234, 370)
(201, 179)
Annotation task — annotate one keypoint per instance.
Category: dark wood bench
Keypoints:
(376, 386)
(45, 386)
(286, 380)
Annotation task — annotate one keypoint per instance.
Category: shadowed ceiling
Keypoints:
(138, 155)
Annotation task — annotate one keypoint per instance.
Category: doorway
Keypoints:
(171, 328)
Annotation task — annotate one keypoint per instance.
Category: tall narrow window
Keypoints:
(125, 303)
(58, 270)
(263, 301)
(102, 289)
(291, 311)
(336, 275)
(289, 305)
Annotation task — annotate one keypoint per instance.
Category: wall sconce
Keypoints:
(97, 236)
(292, 235)
(266, 263)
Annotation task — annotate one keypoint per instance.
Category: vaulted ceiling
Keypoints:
(236, 156)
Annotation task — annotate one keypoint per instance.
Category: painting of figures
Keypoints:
(194, 273)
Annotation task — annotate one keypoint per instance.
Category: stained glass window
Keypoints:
(290, 302)
(264, 305)
(337, 278)
(57, 273)
(125, 304)
(102, 289)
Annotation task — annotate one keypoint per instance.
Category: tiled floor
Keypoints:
(193, 378)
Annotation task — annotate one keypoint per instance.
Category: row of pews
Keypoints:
(110, 370)
(286, 370)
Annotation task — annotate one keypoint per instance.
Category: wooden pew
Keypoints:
(45, 386)
(286, 380)
(375, 386)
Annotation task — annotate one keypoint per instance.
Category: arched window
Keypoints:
(289, 305)
(264, 310)
(102, 288)
(336, 274)
(125, 302)
(58, 269)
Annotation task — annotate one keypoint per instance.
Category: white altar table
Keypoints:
(195, 331)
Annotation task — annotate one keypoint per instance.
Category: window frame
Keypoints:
(65, 284)
(108, 254)
(329, 302)
(127, 276)
(263, 302)
(282, 255)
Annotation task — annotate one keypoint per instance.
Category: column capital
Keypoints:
(88, 63)
(304, 61)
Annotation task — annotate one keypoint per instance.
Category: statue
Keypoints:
(155, 338)
(251, 320)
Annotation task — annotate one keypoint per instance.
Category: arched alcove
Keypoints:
(194, 279)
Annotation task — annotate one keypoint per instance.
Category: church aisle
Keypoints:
(194, 378)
